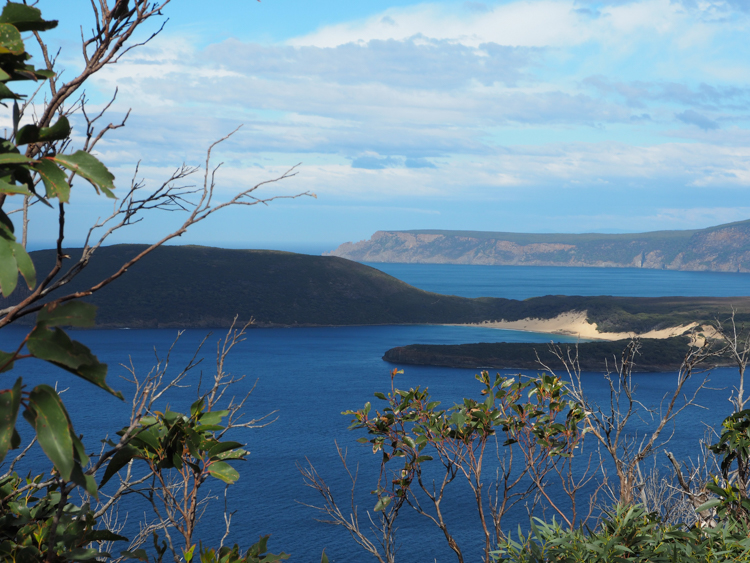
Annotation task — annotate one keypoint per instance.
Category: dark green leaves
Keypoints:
(10, 400)
(50, 343)
(56, 347)
(33, 134)
(25, 18)
(14, 259)
(48, 417)
(72, 313)
(170, 440)
(118, 461)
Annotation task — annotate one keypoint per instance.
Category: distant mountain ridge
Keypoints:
(723, 248)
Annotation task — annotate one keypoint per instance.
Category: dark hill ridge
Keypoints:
(192, 286)
(724, 248)
(654, 355)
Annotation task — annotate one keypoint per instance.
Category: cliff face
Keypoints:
(724, 248)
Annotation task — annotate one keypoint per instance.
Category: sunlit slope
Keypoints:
(191, 286)
(723, 248)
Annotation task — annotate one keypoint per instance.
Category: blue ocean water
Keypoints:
(307, 376)
(522, 282)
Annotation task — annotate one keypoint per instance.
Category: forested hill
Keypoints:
(724, 248)
(192, 286)
(654, 355)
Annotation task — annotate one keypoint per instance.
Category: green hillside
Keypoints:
(192, 286)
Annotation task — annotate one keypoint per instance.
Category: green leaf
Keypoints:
(8, 188)
(59, 131)
(72, 313)
(104, 535)
(55, 180)
(25, 265)
(708, 505)
(323, 557)
(10, 399)
(82, 554)
(10, 40)
(27, 134)
(139, 554)
(5, 358)
(25, 18)
(48, 417)
(8, 267)
(5, 92)
(118, 461)
(83, 164)
(57, 348)
(382, 503)
(223, 471)
(213, 418)
(14, 158)
(222, 447)
(6, 226)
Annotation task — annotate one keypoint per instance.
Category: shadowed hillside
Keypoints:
(655, 355)
(192, 286)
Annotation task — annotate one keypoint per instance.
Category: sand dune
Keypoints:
(575, 324)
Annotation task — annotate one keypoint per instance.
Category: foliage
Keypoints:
(32, 525)
(256, 554)
(533, 416)
(628, 534)
(42, 407)
(655, 354)
(162, 455)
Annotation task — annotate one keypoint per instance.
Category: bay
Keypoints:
(522, 282)
(306, 377)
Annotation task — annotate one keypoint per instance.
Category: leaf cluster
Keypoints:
(628, 534)
(32, 523)
(171, 440)
(535, 413)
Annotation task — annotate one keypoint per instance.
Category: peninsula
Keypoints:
(195, 286)
(724, 248)
(654, 355)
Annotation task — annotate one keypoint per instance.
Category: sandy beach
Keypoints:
(575, 324)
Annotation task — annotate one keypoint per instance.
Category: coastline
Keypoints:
(575, 323)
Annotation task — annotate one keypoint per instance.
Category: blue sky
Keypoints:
(535, 116)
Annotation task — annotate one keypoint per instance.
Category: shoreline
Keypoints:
(575, 323)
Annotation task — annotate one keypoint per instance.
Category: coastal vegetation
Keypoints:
(723, 248)
(656, 355)
(69, 510)
(285, 289)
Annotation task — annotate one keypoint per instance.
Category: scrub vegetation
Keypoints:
(71, 511)
(285, 289)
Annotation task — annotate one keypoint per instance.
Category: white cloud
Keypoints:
(527, 23)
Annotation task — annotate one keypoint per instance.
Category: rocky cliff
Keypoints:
(724, 248)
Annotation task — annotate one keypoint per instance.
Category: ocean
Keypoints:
(306, 377)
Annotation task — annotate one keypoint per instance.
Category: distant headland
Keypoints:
(724, 248)
(655, 355)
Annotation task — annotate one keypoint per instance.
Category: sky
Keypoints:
(525, 116)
